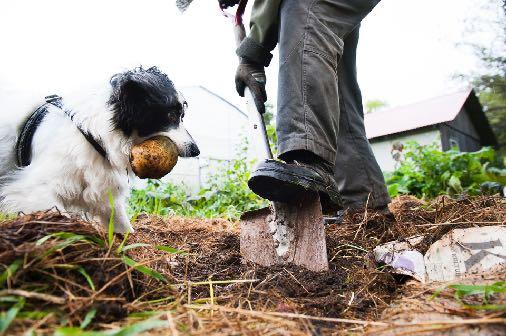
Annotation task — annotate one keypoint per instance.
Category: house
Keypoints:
(217, 126)
(454, 120)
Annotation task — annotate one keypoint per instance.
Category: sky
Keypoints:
(409, 49)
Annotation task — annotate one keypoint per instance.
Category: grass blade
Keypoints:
(132, 246)
(110, 227)
(74, 331)
(143, 269)
(146, 314)
(88, 318)
(140, 327)
(7, 317)
(69, 235)
(492, 307)
(87, 277)
(131, 330)
(170, 249)
(9, 271)
(120, 247)
(33, 315)
(72, 238)
(44, 239)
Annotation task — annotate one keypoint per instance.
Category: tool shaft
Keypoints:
(258, 130)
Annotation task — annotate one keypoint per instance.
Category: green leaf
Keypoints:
(491, 307)
(9, 271)
(43, 239)
(87, 277)
(144, 269)
(10, 299)
(393, 189)
(455, 185)
(120, 247)
(133, 246)
(72, 238)
(7, 317)
(145, 314)
(110, 227)
(130, 330)
(88, 318)
(170, 249)
(140, 327)
(74, 331)
(32, 315)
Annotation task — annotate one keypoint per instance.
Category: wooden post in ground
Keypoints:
(286, 233)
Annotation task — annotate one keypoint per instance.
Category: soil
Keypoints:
(354, 287)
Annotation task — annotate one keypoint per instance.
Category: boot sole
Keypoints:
(279, 186)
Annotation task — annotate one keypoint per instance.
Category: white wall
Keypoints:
(382, 149)
(217, 127)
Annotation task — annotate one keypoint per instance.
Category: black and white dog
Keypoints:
(74, 151)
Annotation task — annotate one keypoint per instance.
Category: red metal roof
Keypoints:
(409, 117)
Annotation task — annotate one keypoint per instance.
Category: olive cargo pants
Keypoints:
(319, 100)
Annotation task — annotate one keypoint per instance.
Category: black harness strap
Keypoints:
(24, 142)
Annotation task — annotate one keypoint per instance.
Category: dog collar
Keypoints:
(24, 142)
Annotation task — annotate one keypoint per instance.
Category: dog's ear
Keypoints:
(134, 91)
(144, 101)
(129, 99)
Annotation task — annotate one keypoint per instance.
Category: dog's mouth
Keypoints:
(184, 142)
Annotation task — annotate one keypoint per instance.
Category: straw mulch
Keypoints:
(208, 290)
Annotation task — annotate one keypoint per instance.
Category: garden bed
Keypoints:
(186, 276)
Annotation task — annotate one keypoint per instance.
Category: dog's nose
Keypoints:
(194, 150)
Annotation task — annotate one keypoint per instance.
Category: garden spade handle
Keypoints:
(257, 125)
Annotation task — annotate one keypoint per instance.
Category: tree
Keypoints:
(374, 105)
(490, 82)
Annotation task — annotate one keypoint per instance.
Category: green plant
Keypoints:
(225, 194)
(462, 293)
(426, 172)
(53, 247)
(159, 198)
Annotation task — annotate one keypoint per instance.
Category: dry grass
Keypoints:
(209, 291)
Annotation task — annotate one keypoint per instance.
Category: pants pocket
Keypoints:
(319, 39)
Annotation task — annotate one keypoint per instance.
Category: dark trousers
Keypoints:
(319, 100)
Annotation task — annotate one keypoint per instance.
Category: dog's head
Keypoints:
(145, 102)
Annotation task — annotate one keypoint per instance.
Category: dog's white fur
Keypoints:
(66, 172)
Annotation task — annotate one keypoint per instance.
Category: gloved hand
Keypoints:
(228, 3)
(252, 76)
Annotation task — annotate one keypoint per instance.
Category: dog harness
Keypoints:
(24, 142)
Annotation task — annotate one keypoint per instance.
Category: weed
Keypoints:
(427, 172)
(482, 292)
(226, 194)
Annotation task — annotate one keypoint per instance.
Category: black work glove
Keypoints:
(252, 76)
(228, 3)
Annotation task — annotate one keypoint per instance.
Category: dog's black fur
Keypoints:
(146, 101)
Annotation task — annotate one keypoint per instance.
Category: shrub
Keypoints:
(426, 172)
(225, 195)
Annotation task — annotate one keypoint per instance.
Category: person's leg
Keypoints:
(358, 174)
(310, 45)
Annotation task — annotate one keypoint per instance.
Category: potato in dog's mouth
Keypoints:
(154, 157)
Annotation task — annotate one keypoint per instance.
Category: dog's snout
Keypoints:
(184, 141)
(194, 150)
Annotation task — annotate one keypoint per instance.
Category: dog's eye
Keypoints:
(185, 106)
